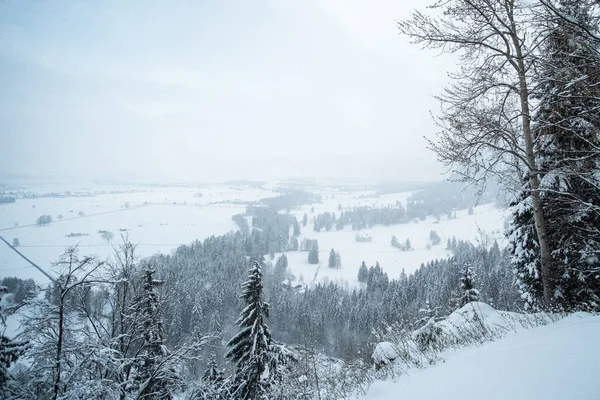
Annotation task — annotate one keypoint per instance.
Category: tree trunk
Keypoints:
(61, 312)
(545, 254)
(538, 212)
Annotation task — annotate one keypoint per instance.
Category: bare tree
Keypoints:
(52, 332)
(486, 110)
(107, 235)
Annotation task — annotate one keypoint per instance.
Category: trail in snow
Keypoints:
(553, 362)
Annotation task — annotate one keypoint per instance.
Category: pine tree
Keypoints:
(250, 347)
(523, 246)
(469, 293)
(338, 260)
(332, 263)
(313, 256)
(567, 129)
(155, 378)
(10, 351)
(212, 373)
(304, 219)
(363, 273)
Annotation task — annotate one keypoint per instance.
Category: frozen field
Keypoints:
(486, 218)
(159, 219)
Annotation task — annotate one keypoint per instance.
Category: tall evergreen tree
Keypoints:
(363, 273)
(155, 378)
(332, 263)
(250, 347)
(567, 129)
(467, 285)
(523, 246)
(313, 256)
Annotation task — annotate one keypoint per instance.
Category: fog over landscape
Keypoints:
(261, 90)
(299, 200)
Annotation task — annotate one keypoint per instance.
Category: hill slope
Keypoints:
(556, 361)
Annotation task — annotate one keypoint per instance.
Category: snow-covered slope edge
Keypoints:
(471, 325)
(562, 355)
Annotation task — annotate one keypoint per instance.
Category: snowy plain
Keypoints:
(159, 219)
(486, 219)
(551, 362)
(156, 219)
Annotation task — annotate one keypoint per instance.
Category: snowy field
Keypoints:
(159, 219)
(486, 219)
(551, 362)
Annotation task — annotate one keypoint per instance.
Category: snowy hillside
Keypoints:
(551, 362)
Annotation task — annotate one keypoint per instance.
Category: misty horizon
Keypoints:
(195, 92)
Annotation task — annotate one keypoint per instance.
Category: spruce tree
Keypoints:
(363, 273)
(567, 129)
(155, 378)
(467, 285)
(313, 256)
(332, 262)
(523, 246)
(250, 347)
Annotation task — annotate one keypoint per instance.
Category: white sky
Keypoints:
(206, 90)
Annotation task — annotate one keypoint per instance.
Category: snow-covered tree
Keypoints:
(363, 273)
(213, 385)
(335, 259)
(331, 262)
(68, 357)
(567, 131)
(524, 249)
(155, 377)
(249, 348)
(467, 285)
(10, 351)
(313, 256)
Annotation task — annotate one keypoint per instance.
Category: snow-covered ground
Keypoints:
(159, 219)
(553, 362)
(486, 218)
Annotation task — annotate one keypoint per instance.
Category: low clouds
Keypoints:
(214, 91)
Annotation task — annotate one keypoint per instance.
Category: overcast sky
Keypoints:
(206, 90)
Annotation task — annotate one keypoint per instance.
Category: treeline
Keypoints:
(361, 218)
(444, 198)
(291, 198)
